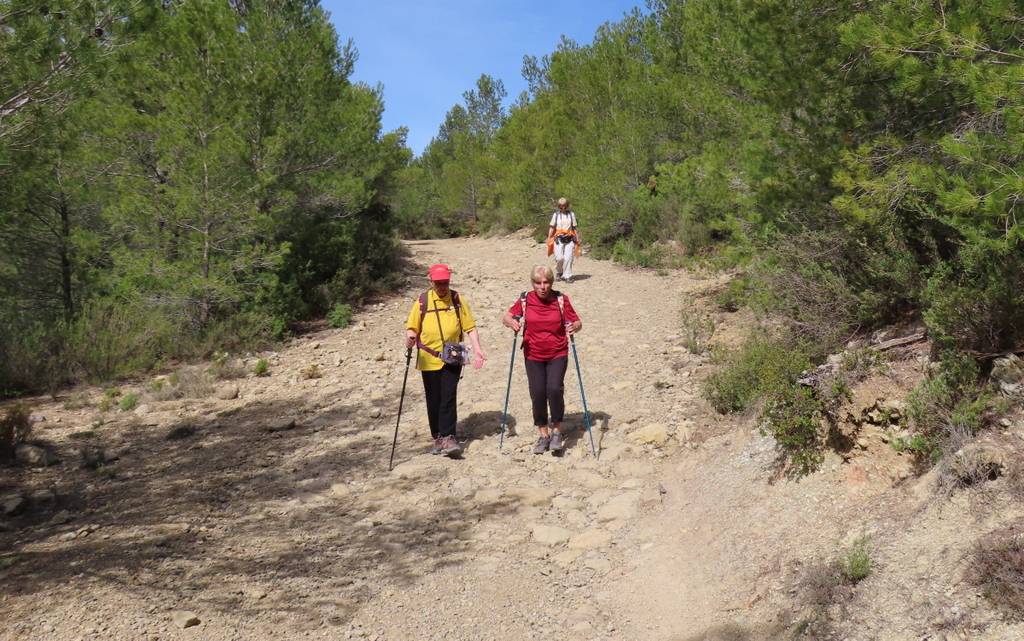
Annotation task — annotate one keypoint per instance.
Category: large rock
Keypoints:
(487, 495)
(654, 434)
(590, 480)
(620, 508)
(227, 392)
(1008, 372)
(33, 455)
(184, 619)
(590, 539)
(549, 534)
(565, 558)
(12, 504)
(533, 496)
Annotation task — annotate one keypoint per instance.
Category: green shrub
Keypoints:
(734, 295)
(129, 402)
(855, 563)
(697, 330)
(917, 444)
(978, 306)
(262, 368)
(15, 427)
(632, 253)
(793, 417)
(340, 315)
(947, 408)
(109, 341)
(760, 366)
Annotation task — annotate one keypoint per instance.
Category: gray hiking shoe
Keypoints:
(438, 448)
(557, 444)
(450, 447)
(542, 445)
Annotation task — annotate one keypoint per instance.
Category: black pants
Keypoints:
(547, 388)
(441, 387)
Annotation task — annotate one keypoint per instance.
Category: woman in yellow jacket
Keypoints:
(437, 322)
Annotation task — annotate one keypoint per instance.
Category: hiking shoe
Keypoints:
(438, 446)
(450, 447)
(557, 444)
(542, 445)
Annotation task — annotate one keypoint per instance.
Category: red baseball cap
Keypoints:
(439, 271)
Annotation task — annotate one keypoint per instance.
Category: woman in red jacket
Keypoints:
(547, 319)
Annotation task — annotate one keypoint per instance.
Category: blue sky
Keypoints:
(427, 53)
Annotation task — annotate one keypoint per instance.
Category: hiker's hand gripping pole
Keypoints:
(586, 412)
(401, 400)
(508, 388)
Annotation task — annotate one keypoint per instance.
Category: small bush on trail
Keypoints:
(948, 408)
(766, 369)
(262, 368)
(129, 402)
(225, 368)
(855, 563)
(793, 417)
(762, 365)
(162, 389)
(697, 331)
(192, 382)
(311, 371)
(340, 315)
(998, 570)
(15, 427)
(628, 252)
(187, 382)
(734, 295)
(825, 589)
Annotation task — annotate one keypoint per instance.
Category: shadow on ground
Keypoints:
(238, 501)
(734, 632)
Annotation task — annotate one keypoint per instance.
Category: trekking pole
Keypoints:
(401, 400)
(508, 389)
(586, 412)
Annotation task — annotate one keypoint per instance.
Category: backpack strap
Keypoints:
(561, 305)
(456, 303)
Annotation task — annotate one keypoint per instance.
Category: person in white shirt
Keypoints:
(563, 233)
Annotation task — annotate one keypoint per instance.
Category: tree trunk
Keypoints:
(64, 250)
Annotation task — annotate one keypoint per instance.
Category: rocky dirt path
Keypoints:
(270, 513)
(273, 515)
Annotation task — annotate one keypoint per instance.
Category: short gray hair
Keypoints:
(542, 270)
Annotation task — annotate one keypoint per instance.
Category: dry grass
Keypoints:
(697, 330)
(311, 371)
(998, 569)
(968, 462)
(187, 382)
(15, 428)
(225, 368)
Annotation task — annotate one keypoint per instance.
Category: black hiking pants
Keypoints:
(547, 389)
(441, 387)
